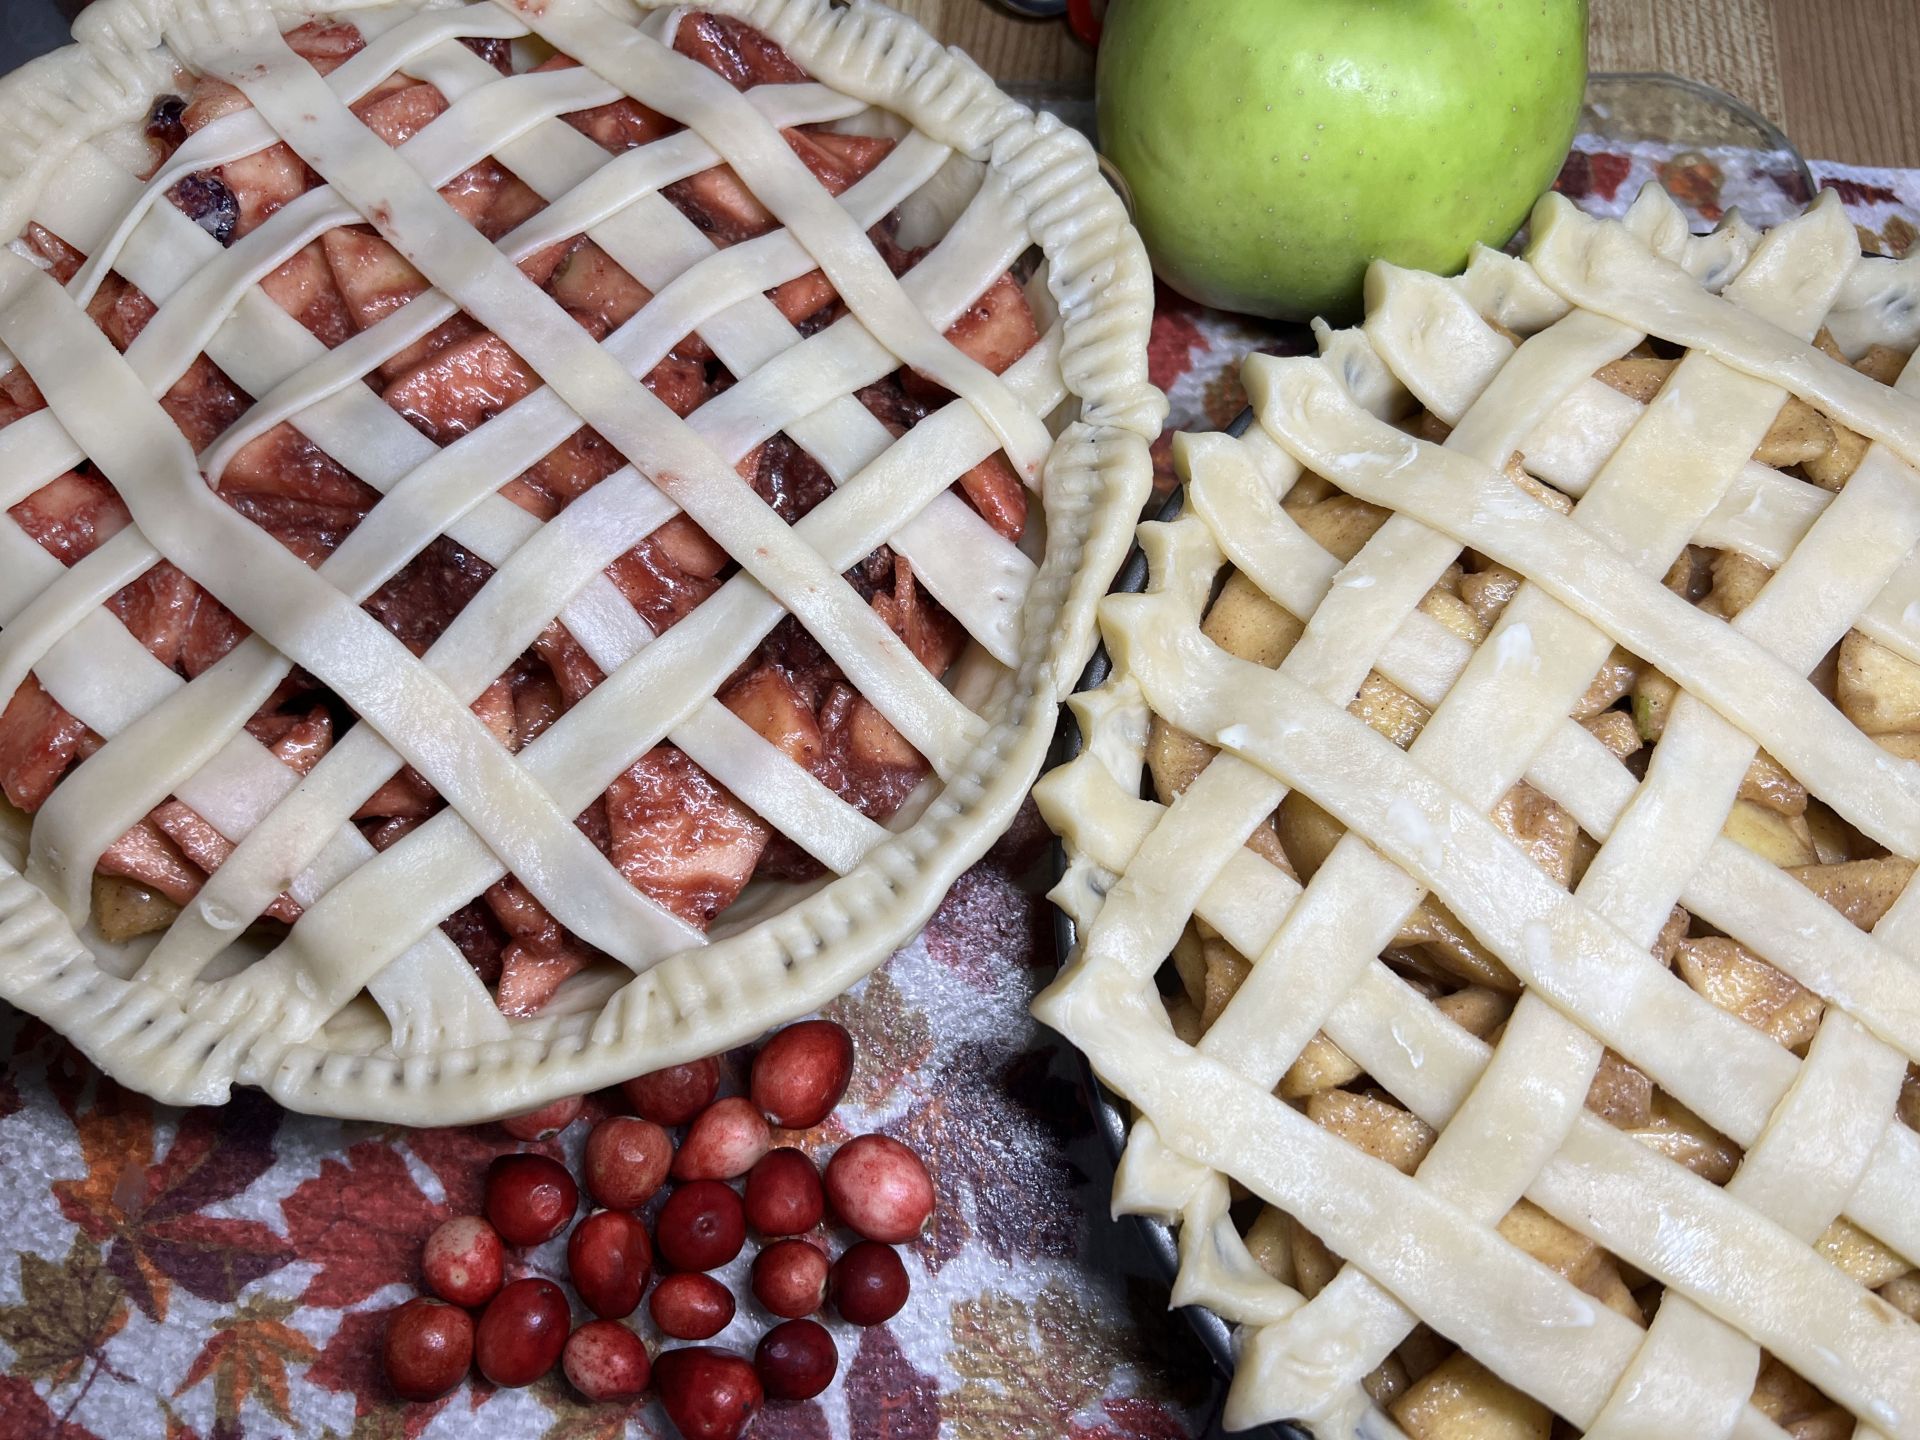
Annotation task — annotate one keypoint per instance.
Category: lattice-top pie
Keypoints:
(523, 555)
(1492, 855)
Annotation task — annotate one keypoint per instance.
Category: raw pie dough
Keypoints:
(1567, 1092)
(350, 999)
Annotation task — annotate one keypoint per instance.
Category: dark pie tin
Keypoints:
(1110, 1114)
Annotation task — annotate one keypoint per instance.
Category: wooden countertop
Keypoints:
(1841, 77)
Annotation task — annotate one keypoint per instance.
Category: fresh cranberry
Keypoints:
(869, 1284)
(530, 1198)
(675, 1095)
(691, 1306)
(610, 1258)
(727, 1140)
(464, 1262)
(604, 1360)
(801, 1073)
(522, 1332)
(880, 1188)
(428, 1348)
(546, 1122)
(710, 1393)
(796, 1360)
(784, 1195)
(701, 1227)
(790, 1278)
(626, 1161)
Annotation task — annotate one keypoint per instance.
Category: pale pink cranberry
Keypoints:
(784, 1195)
(726, 1140)
(690, 1306)
(609, 1259)
(869, 1285)
(626, 1161)
(701, 1227)
(546, 1122)
(796, 1360)
(604, 1360)
(428, 1348)
(675, 1095)
(709, 1393)
(464, 1262)
(529, 1198)
(522, 1332)
(801, 1073)
(880, 1188)
(790, 1278)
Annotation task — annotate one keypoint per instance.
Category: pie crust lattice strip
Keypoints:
(714, 247)
(1572, 1089)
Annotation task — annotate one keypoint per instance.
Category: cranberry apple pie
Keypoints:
(1493, 854)
(538, 537)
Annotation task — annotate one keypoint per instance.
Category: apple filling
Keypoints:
(676, 834)
(1431, 1389)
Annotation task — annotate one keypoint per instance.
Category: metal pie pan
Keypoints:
(1111, 1113)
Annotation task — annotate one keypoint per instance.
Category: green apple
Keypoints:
(1274, 147)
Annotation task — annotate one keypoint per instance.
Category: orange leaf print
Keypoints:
(148, 1211)
(247, 1356)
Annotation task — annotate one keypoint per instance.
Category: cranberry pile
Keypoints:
(872, 1185)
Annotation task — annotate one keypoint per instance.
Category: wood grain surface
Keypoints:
(1841, 77)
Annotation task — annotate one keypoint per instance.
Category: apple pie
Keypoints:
(1492, 854)
(537, 540)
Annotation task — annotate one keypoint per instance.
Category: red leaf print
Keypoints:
(988, 927)
(803, 1421)
(1610, 172)
(1004, 1145)
(350, 1365)
(362, 1222)
(1175, 338)
(1596, 173)
(887, 1399)
(25, 1416)
(148, 1213)
(214, 1258)
(1026, 840)
(1129, 1417)
(459, 1156)
(1858, 192)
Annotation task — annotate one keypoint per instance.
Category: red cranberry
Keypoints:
(869, 1284)
(801, 1073)
(701, 1227)
(727, 1139)
(626, 1161)
(790, 1278)
(784, 1196)
(691, 1306)
(880, 1188)
(530, 1198)
(610, 1258)
(796, 1360)
(522, 1332)
(604, 1360)
(464, 1261)
(675, 1095)
(710, 1393)
(546, 1122)
(429, 1346)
